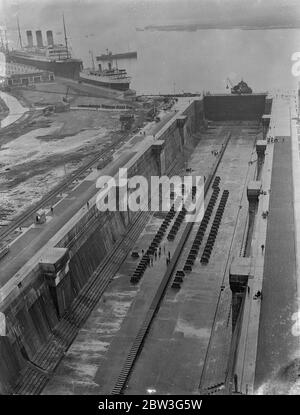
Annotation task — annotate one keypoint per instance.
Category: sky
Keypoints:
(151, 11)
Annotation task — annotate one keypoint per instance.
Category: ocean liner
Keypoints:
(51, 57)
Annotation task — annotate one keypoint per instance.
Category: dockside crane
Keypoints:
(240, 88)
(229, 82)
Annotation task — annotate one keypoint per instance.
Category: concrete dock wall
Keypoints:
(175, 137)
(33, 307)
(30, 320)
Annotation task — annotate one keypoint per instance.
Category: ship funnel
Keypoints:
(29, 38)
(39, 38)
(49, 37)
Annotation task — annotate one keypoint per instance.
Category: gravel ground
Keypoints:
(38, 151)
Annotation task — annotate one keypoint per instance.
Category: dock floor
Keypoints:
(188, 345)
(175, 349)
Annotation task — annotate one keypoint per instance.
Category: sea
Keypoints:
(167, 61)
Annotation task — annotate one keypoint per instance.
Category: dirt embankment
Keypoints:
(74, 121)
(51, 93)
(29, 122)
(38, 151)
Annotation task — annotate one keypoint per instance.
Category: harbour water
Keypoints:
(169, 61)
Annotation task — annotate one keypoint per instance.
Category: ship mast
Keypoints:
(92, 57)
(6, 41)
(20, 38)
(66, 39)
(2, 43)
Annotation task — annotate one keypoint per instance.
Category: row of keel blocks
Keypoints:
(201, 231)
(145, 261)
(140, 269)
(176, 225)
(180, 217)
(178, 280)
(214, 229)
(216, 182)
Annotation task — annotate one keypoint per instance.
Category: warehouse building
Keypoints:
(16, 74)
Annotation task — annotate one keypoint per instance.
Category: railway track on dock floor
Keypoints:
(138, 342)
(36, 374)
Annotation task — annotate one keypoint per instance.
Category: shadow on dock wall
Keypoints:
(30, 320)
(232, 381)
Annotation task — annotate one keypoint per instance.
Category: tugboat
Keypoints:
(115, 56)
(240, 88)
(110, 77)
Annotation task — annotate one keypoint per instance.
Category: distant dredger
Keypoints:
(51, 57)
(241, 88)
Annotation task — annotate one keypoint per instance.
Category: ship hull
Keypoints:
(69, 68)
(122, 86)
(125, 55)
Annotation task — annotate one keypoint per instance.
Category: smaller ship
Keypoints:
(241, 88)
(108, 56)
(111, 77)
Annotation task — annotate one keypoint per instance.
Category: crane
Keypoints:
(92, 58)
(240, 88)
(229, 81)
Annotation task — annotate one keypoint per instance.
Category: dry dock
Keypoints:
(90, 327)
